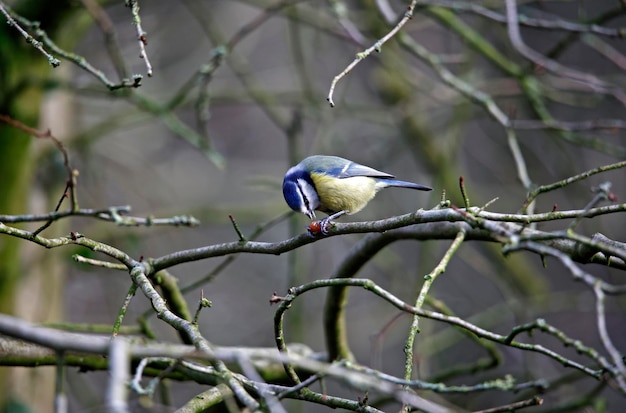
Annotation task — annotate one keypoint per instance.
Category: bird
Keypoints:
(336, 186)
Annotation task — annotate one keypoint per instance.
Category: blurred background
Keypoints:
(238, 95)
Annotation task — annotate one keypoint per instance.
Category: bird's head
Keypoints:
(299, 191)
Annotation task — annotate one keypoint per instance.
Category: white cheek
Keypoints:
(309, 193)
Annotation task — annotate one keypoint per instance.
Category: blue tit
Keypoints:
(336, 186)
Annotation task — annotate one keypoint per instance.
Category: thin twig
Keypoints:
(532, 195)
(123, 309)
(591, 81)
(555, 24)
(54, 62)
(408, 15)
(414, 329)
(142, 36)
(513, 407)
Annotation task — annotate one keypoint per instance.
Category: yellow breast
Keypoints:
(347, 194)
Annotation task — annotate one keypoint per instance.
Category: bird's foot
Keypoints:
(326, 225)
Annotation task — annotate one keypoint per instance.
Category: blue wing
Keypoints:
(340, 167)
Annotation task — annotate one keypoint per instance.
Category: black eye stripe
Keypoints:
(303, 195)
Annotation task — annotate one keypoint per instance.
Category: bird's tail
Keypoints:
(403, 184)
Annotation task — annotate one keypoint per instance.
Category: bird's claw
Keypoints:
(326, 225)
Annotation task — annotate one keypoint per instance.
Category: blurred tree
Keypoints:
(23, 81)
